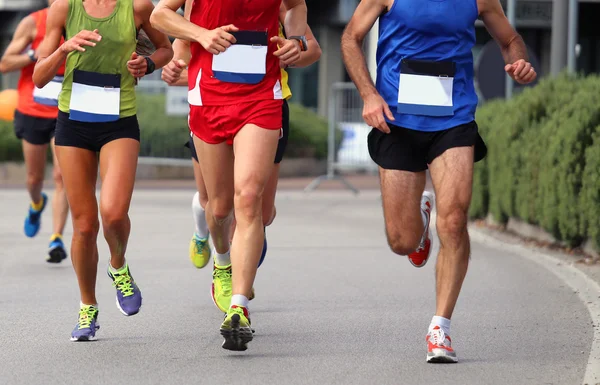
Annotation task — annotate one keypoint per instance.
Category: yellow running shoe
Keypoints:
(199, 251)
(236, 329)
(221, 287)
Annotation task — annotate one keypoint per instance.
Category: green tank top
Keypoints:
(109, 56)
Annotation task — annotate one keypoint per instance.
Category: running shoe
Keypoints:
(56, 250)
(221, 287)
(33, 220)
(87, 326)
(439, 347)
(199, 251)
(129, 296)
(419, 257)
(236, 329)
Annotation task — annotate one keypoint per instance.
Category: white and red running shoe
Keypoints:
(439, 347)
(419, 257)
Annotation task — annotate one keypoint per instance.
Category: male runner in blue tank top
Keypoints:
(422, 111)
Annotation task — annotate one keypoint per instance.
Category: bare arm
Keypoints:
(367, 12)
(14, 59)
(313, 54)
(175, 73)
(295, 18)
(50, 55)
(166, 19)
(511, 44)
(164, 51)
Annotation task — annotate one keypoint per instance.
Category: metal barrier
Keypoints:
(352, 155)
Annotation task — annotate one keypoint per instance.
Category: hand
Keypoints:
(218, 39)
(521, 71)
(79, 41)
(171, 73)
(373, 113)
(288, 52)
(137, 65)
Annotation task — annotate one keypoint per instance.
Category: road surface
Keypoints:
(333, 306)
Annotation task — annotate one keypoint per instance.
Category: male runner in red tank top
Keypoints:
(35, 120)
(236, 105)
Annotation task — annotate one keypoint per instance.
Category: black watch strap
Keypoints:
(150, 65)
(302, 40)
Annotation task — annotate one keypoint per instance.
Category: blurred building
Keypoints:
(327, 18)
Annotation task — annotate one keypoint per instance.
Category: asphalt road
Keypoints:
(333, 306)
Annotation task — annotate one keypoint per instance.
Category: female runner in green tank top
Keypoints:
(98, 115)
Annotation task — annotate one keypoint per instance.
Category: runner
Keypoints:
(35, 121)
(236, 105)
(175, 74)
(422, 111)
(98, 115)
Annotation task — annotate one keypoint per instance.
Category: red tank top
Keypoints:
(26, 105)
(205, 75)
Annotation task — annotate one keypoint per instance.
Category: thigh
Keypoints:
(118, 164)
(254, 149)
(55, 163)
(79, 169)
(216, 166)
(35, 157)
(401, 193)
(452, 177)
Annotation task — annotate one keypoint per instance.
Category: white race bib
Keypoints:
(245, 61)
(48, 95)
(95, 97)
(426, 88)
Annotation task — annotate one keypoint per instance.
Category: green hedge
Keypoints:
(164, 136)
(543, 164)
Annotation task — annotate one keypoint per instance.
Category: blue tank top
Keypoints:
(428, 30)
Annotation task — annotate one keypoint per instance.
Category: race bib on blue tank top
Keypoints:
(245, 61)
(426, 88)
(95, 98)
(48, 95)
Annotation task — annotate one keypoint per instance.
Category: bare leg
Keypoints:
(401, 195)
(118, 163)
(79, 171)
(35, 163)
(452, 176)
(60, 205)
(254, 149)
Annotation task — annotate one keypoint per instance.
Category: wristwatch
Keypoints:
(31, 54)
(303, 42)
(150, 65)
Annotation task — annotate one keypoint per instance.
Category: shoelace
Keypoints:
(123, 284)
(86, 315)
(438, 337)
(199, 244)
(224, 276)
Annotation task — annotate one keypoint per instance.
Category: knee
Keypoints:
(221, 208)
(34, 177)
(402, 241)
(113, 219)
(86, 225)
(452, 224)
(248, 202)
(57, 177)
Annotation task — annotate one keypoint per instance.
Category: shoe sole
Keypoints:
(441, 358)
(56, 255)
(236, 338)
(86, 338)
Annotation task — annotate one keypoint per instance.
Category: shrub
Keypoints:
(543, 161)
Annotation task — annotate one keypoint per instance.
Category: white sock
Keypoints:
(239, 300)
(199, 217)
(113, 270)
(81, 305)
(222, 259)
(443, 323)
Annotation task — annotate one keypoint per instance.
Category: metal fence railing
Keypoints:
(350, 155)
